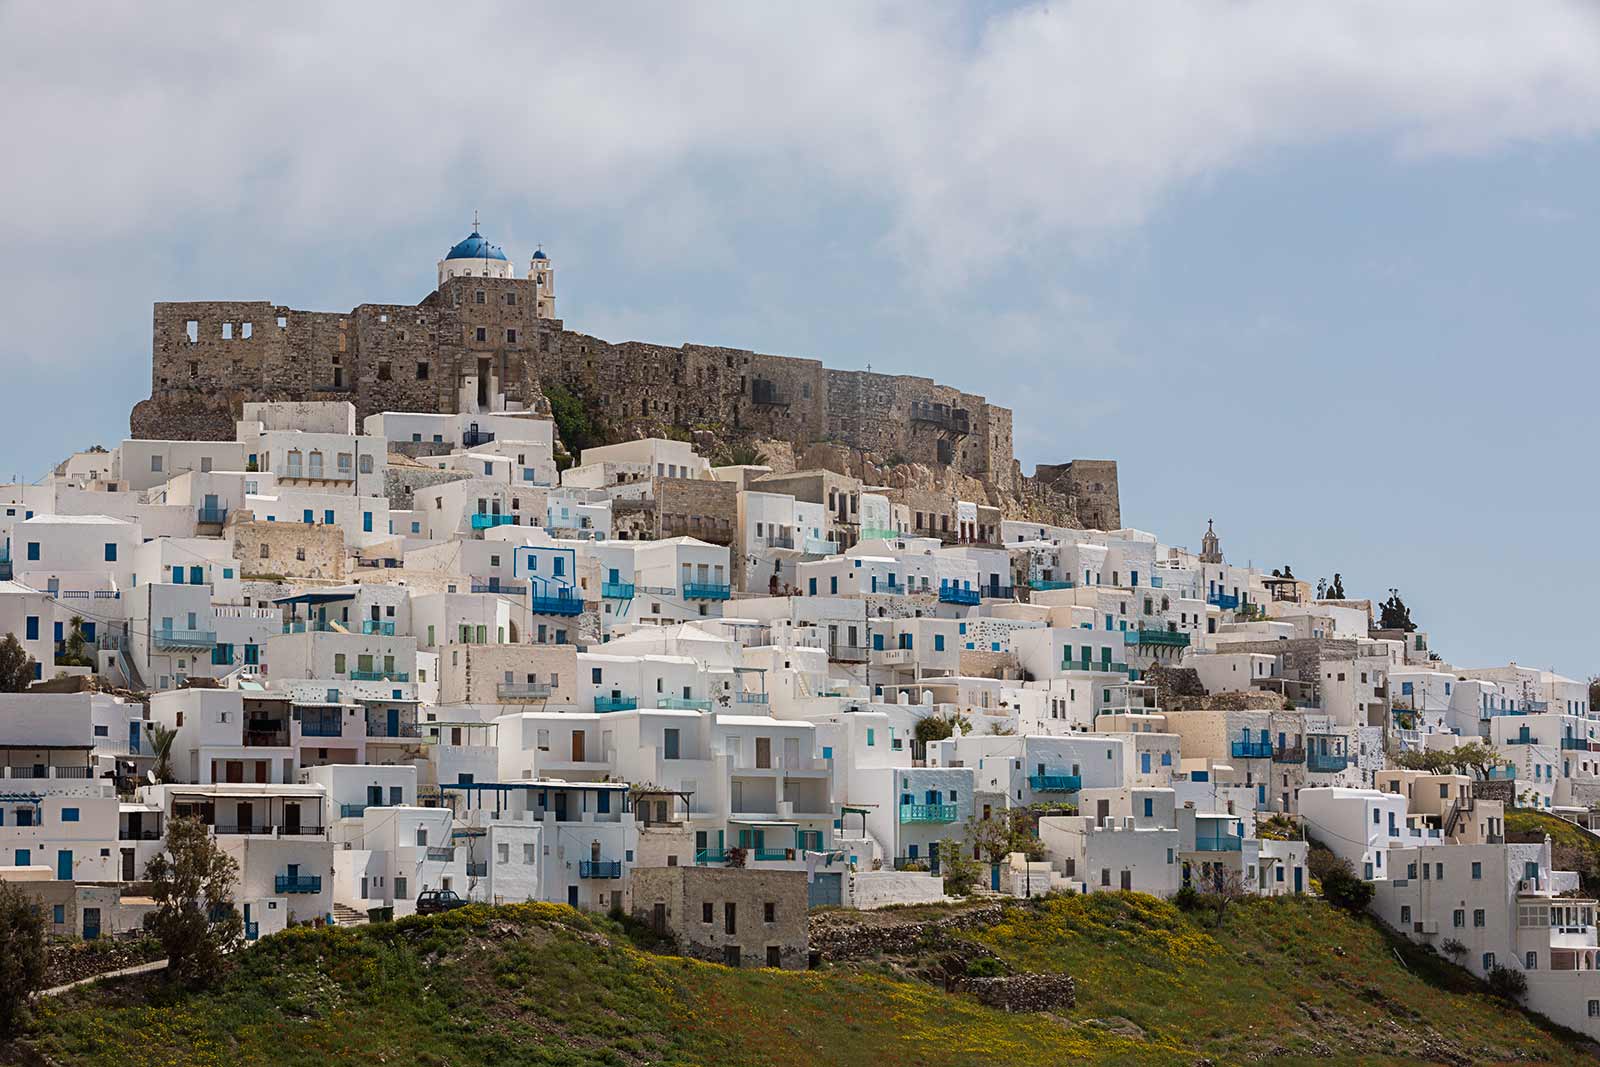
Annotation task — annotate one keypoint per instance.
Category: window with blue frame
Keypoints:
(833, 584)
(31, 628)
(222, 655)
(252, 653)
(33, 550)
(938, 642)
(871, 737)
(69, 814)
(1149, 808)
(59, 914)
(308, 517)
(602, 803)
(111, 552)
(811, 586)
(327, 517)
(1405, 689)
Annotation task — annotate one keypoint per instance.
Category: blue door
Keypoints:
(64, 865)
(825, 889)
(994, 876)
(91, 924)
(394, 722)
(1298, 887)
(133, 738)
(572, 895)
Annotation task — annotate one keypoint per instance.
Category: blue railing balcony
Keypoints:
(1252, 750)
(771, 854)
(616, 590)
(481, 521)
(351, 811)
(703, 856)
(683, 704)
(599, 868)
(1225, 601)
(1055, 783)
(167, 637)
(1326, 762)
(556, 605)
(1042, 584)
(1155, 581)
(377, 628)
(927, 813)
(213, 516)
(474, 438)
(706, 591)
(1218, 843)
(1158, 638)
(496, 586)
(949, 594)
(605, 704)
(1581, 743)
(303, 883)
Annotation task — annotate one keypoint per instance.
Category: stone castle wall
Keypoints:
(475, 340)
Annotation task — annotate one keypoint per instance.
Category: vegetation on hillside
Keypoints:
(1571, 848)
(1279, 980)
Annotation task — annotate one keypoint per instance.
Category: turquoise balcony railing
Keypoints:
(213, 516)
(616, 590)
(819, 546)
(556, 605)
(1218, 843)
(303, 883)
(1504, 773)
(167, 637)
(949, 594)
(351, 811)
(703, 856)
(1252, 750)
(683, 704)
(380, 676)
(927, 813)
(1327, 762)
(375, 627)
(1581, 743)
(599, 868)
(771, 854)
(1158, 638)
(489, 522)
(1055, 783)
(605, 704)
(706, 591)
(1050, 583)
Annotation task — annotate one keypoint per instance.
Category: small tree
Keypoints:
(1453, 948)
(746, 455)
(1508, 983)
(959, 872)
(1227, 886)
(22, 956)
(16, 666)
(161, 739)
(195, 920)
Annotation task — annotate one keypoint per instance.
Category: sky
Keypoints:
(1322, 272)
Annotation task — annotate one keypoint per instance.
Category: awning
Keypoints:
(327, 597)
(766, 822)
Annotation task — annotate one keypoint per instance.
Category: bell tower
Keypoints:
(1210, 546)
(542, 273)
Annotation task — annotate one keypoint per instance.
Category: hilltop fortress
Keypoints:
(486, 340)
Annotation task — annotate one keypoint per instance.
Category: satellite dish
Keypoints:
(151, 775)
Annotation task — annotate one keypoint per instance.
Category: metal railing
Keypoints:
(496, 586)
(616, 590)
(522, 691)
(1289, 754)
(437, 854)
(556, 605)
(478, 870)
(750, 698)
(1326, 762)
(703, 856)
(998, 592)
(377, 628)
(1055, 783)
(773, 854)
(212, 516)
(473, 438)
(1162, 638)
(1225, 601)
(481, 521)
(949, 594)
(706, 591)
(351, 811)
(847, 653)
(1218, 843)
(169, 637)
(927, 813)
(599, 868)
(302, 883)
(683, 704)
(1044, 584)
(608, 704)
(1251, 750)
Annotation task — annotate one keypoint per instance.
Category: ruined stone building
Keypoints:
(486, 340)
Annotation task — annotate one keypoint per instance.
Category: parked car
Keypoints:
(433, 901)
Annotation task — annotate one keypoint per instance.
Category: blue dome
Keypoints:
(539, 254)
(475, 247)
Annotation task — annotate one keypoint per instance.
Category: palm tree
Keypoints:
(161, 738)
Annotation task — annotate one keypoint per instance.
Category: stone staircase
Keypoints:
(344, 915)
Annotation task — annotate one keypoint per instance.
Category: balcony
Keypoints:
(1156, 638)
(949, 594)
(376, 628)
(1580, 743)
(321, 725)
(1251, 750)
(1225, 601)
(890, 587)
(607, 704)
(497, 586)
(212, 516)
(703, 856)
(351, 811)
(1046, 584)
(481, 521)
(819, 546)
(765, 392)
(683, 704)
(706, 591)
(565, 604)
(616, 590)
(245, 830)
(776, 541)
(167, 637)
(847, 653)
(1055, 783)
(522, 691)
(1218, 843)
(438, 854)
(772, 855)
(599, 868)
(478, 870)
(750, 698)
(301, 883)
(1326, 762)
(5, 569)
(380, 676)
(474, 438)
(952, 420)
(404, 729)
(1287, 754)
(306, 626)
(927, 813)
(998, 592)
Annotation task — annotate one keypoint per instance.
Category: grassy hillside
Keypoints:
(541, 984)
(1573, 849)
